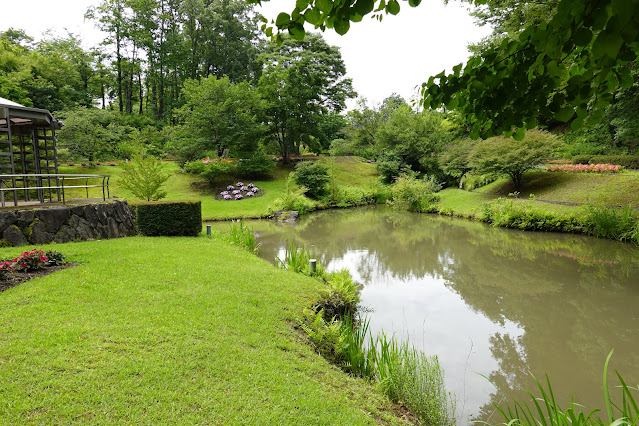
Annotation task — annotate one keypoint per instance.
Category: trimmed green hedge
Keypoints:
(168, 218)
(581, 159)
(628, 161)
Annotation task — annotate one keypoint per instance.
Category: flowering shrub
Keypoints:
(5, 268)
(248, 190)
(586, 168)
(30, 261)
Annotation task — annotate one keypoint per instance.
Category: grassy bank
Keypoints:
(349, 171)
(168, 330)
(612, 219)
(585, 188)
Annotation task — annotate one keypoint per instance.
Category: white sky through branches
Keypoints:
(396, 55)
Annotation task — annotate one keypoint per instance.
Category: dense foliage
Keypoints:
(313, 176)
(566, 65)
(168, 218)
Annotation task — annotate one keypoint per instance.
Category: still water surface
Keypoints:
(495, 302)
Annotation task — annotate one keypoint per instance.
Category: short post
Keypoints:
(208, 231)
(312, 265)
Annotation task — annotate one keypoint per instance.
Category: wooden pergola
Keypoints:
(28, 151)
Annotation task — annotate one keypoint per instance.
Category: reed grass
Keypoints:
(243, 236)
(617, 224)
(544, 409)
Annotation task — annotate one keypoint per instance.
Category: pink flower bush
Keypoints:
(30, 261)
(586, 168)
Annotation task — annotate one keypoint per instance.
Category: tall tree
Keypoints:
(218, 115)
(302, 81)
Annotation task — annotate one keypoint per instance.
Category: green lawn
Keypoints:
(350, 171)
(169, 331)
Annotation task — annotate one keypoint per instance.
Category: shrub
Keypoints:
(5, 268)
(239, 191)
(342, 298)
(293, 199)
(55, 258)
(349, 196)
(32, 260)
(258, 165)
(325, 335)
(581, 159)
(628, 161)
(168, 218)
(511, 214)
(211, 170)
(585, 168)
(473, 181)
(313, 175)
(389, 169)
(413, 194)
(144, 177)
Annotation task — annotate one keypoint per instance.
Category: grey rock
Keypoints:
(24, 218)
(39, 234)
(65, 234)
(53, 218)
(13, 236)
(7, 219)
(286, 216)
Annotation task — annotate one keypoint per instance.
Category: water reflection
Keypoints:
(490, 301)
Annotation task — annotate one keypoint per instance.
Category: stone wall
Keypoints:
(64, 224)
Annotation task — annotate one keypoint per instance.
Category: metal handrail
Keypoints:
(60, 179)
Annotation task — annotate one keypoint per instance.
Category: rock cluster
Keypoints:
(65, 224)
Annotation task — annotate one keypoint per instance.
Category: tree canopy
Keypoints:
(303, 82)
(567, 67)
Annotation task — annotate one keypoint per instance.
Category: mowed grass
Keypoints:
(350, 171)
(470, 204)
(612, 190)
(169, 331)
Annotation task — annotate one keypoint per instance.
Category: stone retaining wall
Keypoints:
(65, 224)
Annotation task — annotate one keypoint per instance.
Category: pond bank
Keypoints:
(532, 215)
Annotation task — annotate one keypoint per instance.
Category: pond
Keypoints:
(492, 302)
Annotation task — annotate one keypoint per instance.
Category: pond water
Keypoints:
(495, 302)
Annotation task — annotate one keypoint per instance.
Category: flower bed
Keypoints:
(239, 191)
(586, 168)
(29, 264)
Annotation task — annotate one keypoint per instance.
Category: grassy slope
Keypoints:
(611, 190)
(168, 330)
(180, 186)
(614, 190)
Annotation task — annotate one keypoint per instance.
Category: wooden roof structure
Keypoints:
(27, 147)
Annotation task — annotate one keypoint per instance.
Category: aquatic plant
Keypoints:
(544, 409)
(242, 235)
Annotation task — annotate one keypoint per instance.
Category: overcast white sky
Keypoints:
(396, 55)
